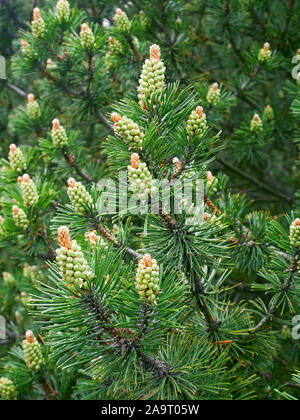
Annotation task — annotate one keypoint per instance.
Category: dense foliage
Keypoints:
(103, 302)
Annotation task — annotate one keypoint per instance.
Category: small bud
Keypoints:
(24, 298)
(140, 179)
(152, 77)
(38, 26)
(33, 108)
(86, 36)
(29, 336)
(144, 20)
(8, 389)
(196, 124)
(73, 266)
(32, 352)
(295, 233)
(36, 275)
(155, 52)
(18, 317)
(20, 218)
(25, 47)
(147, 279)
(128, 130)
(63, 10)
(213, 94)
(58, 134)
(50, 64)
(122, 20)
(268, 113)
(16, 158)
(64, 237)
(206, 216)
(79, 196)
(28, 189)
(116, 46)
(8, 278)
(135, 160)
(211, 182)
(256, 124)
(265, 53)
(2, 228)
(36, 14)
(93, 239)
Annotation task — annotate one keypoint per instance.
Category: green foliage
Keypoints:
(221, 324)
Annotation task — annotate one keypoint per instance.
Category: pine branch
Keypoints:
(105, 121)
(260, 184)
(124, 338)
(13, 15)
(15, 88)
(286, 286)
(71, 161)
(105, 233)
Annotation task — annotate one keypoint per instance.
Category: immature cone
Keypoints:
(211, 182)
(152, 76)
(145, 22)
(25, 47)
(50, 64)
(256, 124)
(24, 298)
(16, 158)
(8, 278)
(268, 113)
(140, 179)
(213, 94)
(79, 196)
(147, 279)
(26, 270)
(122, 20)
(128, 130)
(28, 189)
(86, 36)
(20, 217)
(7, 389)
(206, 216)
(63, 10)
(196, 124)
(295, 233)
(58, 134)
(73, 266)
(2, 229)
(93, 239)
(36, 275)
(38, 26)
(33, 108)
(265, 53)
(32, 352)
(116, 46)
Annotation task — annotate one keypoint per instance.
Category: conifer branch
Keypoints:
(286, 286)
(15, 88)
(71, 161)
(260, 184)
(106, 234)
(124, 338)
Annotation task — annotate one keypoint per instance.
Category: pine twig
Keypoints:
(255, 181)
(105, 233)
(273, 308)
(71, 161)
(16, 89)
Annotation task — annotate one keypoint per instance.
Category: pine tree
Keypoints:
(104, 302)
